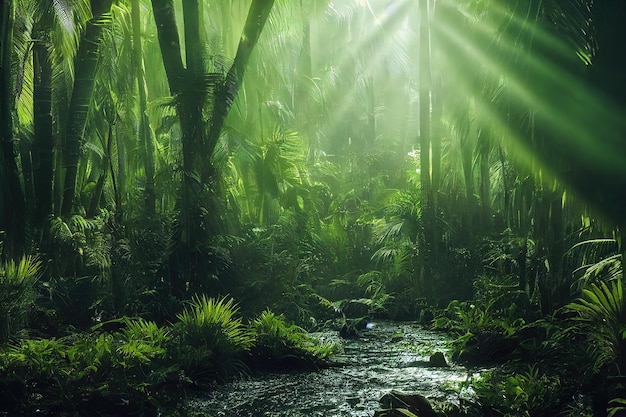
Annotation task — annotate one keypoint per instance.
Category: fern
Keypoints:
(17, 280)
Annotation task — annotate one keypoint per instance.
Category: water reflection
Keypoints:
(387, 356)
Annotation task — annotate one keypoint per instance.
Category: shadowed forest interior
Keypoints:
(190, 189)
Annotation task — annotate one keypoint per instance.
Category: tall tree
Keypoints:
(191, 85)
(427, 203)
(146, 135)
(43, 143)
(85, 67)
(13, 205)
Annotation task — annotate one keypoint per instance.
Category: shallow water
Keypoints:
(371, 366)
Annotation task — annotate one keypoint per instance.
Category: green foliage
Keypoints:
(600, 315)
(616, 406)
(481, 335)
(140, 254)
(593, 261)
(17, 281)
(79, 246)
(143, 366)
(209, 338)
(526, 394)
(142, 342)
(277, 343)
(85, 373)
(80, 253)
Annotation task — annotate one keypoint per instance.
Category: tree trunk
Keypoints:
(120, 186)
(146, 136)
(428, 215)
(85, 67)
(104, 171)
(43, 144)
(12, 215)
(484, 149)
(467, 154)
(257, 16)
(189, 86)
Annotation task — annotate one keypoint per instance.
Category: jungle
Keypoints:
(415, 205)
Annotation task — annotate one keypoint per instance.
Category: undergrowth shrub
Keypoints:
(525, 394)
(136, 367)
(209, 339)
(281, 344)
(17, 282)
(86, 374)
(480, 335)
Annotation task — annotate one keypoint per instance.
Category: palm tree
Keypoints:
(54, 37)
(86, 63)
(13, 205)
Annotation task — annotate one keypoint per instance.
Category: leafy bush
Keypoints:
(125, 371)
(140, 367)
(481, 336)
(600, 316)
(278, 343)
(526, 394)
(209, 339)
(17, 281)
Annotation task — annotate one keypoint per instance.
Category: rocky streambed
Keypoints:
(389, 356)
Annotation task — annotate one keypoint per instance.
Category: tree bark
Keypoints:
(146, 136)
(484, 149)
(428, 215)
(12, 216)
(85, 67)
(43, 145)
(257, 17)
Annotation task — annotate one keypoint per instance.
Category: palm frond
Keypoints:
(593, 261)
(600, 314)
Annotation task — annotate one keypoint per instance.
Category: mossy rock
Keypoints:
(426, 316)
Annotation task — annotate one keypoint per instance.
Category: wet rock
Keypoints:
(397, 403)
(394, 412)
(438, 359)
(415, 364)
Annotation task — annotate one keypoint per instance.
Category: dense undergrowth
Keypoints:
(565, 364)
(84, 357)
(133, 366)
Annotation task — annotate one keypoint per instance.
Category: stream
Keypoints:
(389, 356)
